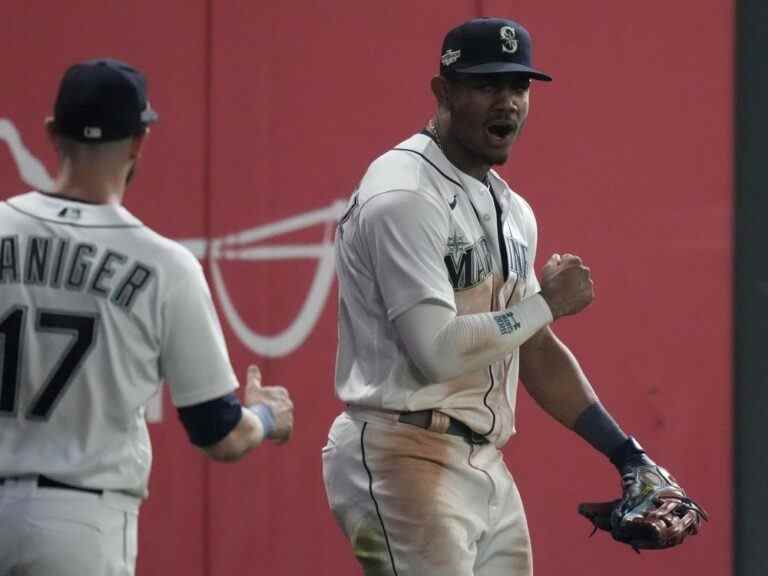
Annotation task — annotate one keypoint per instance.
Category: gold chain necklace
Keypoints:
(434, 129)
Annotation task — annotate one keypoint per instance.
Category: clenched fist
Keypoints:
(566, 285)
(278, 400)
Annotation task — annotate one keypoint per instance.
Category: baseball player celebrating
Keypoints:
(439, 312)
(96, 310)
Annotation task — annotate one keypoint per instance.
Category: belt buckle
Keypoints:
(439, 422)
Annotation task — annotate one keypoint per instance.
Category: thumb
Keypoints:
(554, 259)
(253, 376)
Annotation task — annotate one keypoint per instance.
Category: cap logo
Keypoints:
(450, 57)
(508, 39)
(92, 132)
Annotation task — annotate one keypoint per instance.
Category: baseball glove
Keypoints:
(653, 513)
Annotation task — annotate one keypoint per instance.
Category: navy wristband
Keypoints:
(630, 452)
(598, 428)
(208, 422)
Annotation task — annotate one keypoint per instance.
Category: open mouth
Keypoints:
(501, 130)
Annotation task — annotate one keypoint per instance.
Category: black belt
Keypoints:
(45, 482)
(423, 419)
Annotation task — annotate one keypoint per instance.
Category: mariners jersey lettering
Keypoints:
(52, 262)
(467, 264)
(96, 310)
(472, 250)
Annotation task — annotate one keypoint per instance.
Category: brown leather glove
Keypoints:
(653, 513)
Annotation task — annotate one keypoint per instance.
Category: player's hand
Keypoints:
(566, 285)
(653, 512)
(276, 397)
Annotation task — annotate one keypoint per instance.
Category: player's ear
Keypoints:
(137, 144)
(53, 137)
(50, 129)
(440, 88)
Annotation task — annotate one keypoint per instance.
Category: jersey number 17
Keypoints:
(81, 329)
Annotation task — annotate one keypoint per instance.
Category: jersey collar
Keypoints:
(61, 210)
(424, 144)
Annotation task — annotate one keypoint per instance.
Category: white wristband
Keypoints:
(265, 416)
(259, 427)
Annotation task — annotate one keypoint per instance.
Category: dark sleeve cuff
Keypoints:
(211, 421)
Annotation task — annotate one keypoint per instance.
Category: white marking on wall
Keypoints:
(32, 172)
(240, 247)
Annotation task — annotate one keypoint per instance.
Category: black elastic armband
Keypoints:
(208, 422)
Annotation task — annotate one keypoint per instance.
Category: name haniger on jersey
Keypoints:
(60, 264)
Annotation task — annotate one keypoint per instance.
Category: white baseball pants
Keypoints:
(61, 532)
(414, 502)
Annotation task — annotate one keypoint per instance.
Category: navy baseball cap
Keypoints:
(101, 101)
(488, 46)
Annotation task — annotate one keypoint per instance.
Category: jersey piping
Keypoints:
(502, 244)
(485, 401)
(375, 502)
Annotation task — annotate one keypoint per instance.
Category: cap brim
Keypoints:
(504, 68)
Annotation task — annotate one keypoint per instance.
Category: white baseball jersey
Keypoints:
(96, 310)
(462, 252)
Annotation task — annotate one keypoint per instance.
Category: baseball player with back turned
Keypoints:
(96, 310)
(439, 312)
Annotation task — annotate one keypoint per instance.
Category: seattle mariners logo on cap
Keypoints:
(508, 39)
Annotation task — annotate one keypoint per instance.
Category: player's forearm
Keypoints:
(553, 377)
(444, 346)
(248, 434)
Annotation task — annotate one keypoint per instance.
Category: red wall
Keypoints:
(270, 111)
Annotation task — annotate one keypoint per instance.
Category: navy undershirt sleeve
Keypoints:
(208, 422)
